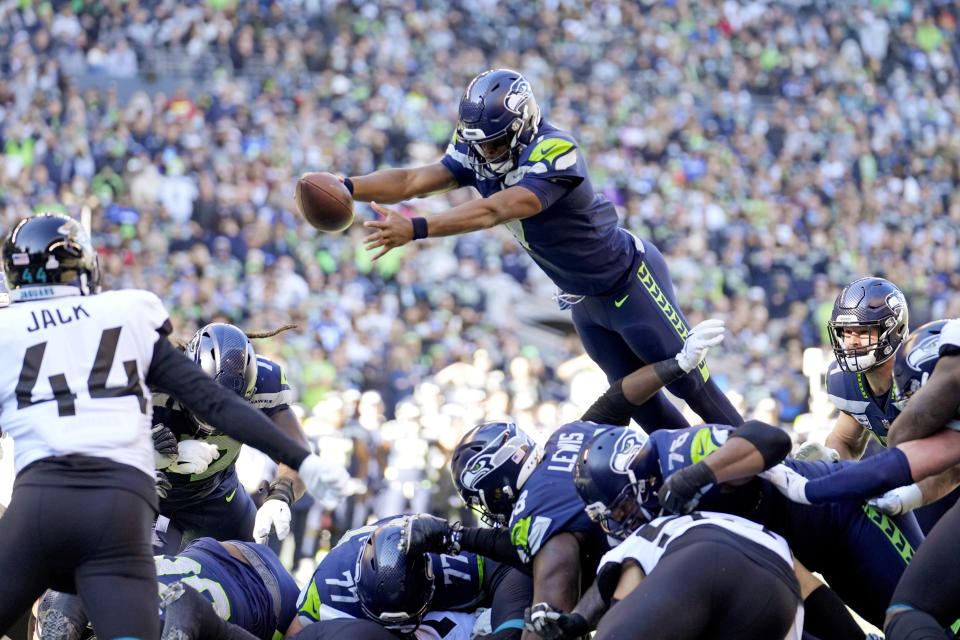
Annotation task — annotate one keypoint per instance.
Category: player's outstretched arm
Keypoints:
(274, 514)
(751, 448)
(390, 186)
(171, 372)
(848, 438)
(933, 405)
(395, 230)
(617, 404)
(556, 574)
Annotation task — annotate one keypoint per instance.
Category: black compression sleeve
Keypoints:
(173, 373)
(494, 544)
(611, 408)
(825, 616)
(773, 443)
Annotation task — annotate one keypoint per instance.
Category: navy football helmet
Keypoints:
(616, 475)
(489, 466)
(499, 117)
(871, 305)
(224, 352)
(915, 361)
(49, 250)
(395, 588)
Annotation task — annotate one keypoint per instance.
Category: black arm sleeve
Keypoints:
(611, 408)
(171, 372)
(494, 544)
(773, 443)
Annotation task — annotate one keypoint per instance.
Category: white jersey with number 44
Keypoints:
(74, 376)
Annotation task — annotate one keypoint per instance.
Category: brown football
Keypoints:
(324, 201)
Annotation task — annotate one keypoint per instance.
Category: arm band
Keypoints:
(281, 489)
(348, 183)
(419, 228)
(611, 408)
(494, 544)
(177, 375)
(668, 370)
(871, 477)
(773, 443)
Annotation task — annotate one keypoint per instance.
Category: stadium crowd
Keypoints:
(773, 151)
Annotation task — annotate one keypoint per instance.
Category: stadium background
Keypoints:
(773, 150)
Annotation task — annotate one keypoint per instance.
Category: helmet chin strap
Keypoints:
(532, 461)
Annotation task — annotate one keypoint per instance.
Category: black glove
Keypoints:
(550, 624)
(163, 485)
(425, 533)
(681, 492)
(164, 446)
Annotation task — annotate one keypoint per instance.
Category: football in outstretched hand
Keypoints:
(324, 201)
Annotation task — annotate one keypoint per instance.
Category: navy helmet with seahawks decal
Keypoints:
(915, 361)
(47, 253)
(395, 588)
(877, 307)
(225, 353)
(616, 475)
(499, 117)
(490, 465)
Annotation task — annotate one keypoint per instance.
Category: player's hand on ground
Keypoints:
(391, 232)
(424, 533)
(194, 456)
(788, 482)
(165, 451)
(326, 481)
(550, 624)
(701, 338)
(273, 515)
(812, 451)
(899, 500)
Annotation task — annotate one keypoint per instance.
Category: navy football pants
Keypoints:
(929, 590)
(226, 514)
(641, 325)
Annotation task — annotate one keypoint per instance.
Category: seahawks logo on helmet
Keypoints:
(518, 95)
(896, 303)
(626, 448)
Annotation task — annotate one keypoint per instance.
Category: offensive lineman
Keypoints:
(534, 179)
(77, 402)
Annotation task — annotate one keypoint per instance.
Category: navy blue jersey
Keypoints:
(549, 503)
(271, 395)
(679, 448)
(576, 238)
(236, 589)
(850, 393)
(332, 592)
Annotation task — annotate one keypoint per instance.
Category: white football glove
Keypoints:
(813, 451)
(272, 514)
(194, 456)
(788, 482)
(326, 481)
(899, 500)
(708, 333)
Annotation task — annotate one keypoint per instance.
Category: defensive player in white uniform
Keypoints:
(74, 395)
(684, 577)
